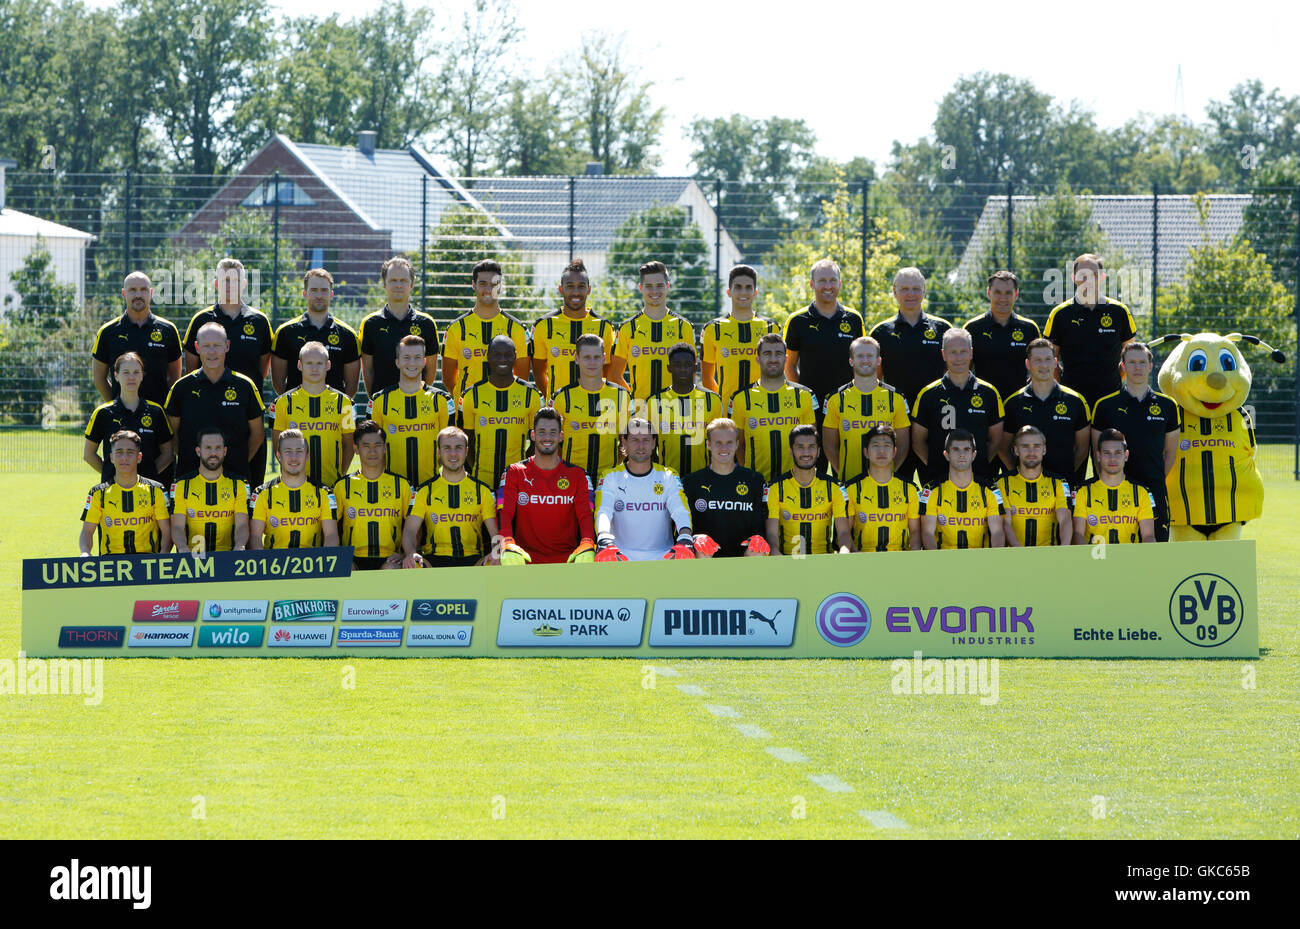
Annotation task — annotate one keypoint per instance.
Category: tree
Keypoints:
(1270, 220)
(42, 302)
(530, 139)
(1166, 150)
(400, 101)
(612, 108)
(475, 80)
(662, 233)
(42, 308)
(1252, 127)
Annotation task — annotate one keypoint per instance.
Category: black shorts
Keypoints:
(369, 564)
(451, 561)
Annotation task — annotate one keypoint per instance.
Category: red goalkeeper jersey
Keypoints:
(547, 512)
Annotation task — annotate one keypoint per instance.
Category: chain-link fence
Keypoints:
(1182, 263)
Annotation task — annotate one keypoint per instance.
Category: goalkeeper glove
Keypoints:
(684, 547)
(512, 554)
(585, 552)
(705, 547)
(607, 550)
(757, 545)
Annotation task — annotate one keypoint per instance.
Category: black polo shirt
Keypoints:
(999, 351)
(1145, 422)
(1063, 413)
(155, 340)
(228, 403)
(823, 346)
(1090, 339)
(147, 420)
(249, 334)
(975, 407)
(910, 355)
(380, 333)
(338, 337)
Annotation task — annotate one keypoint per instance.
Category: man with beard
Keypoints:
(209, 507)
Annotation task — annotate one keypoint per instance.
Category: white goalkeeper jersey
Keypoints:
(642, 513)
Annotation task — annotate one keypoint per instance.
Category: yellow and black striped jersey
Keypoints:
(806, 515)
(852, 413)
(680, 421)
(466, 342)
(643, 343)
(453, 516)
(371, 513)
(411, 423)
(765, 418)
(1113, 513)
(292, 515)
(592, 423)
(731, 346)
(1033, 506)
(210, 508)
(962, 513)
(127, 517)
(553, 340)
(879, 514)
(1215, 479)
(497, 420)
(324, 419)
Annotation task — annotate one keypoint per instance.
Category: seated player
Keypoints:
(321, 413)
(131, 512)
(858, 406)
(412, 415)
(807, 512)
(884, 510)
(497, 413)
(681, 412)
(726, 500)
(290, 511)
(1111, 508)
(454, 510)
(372, 505)
(132, 412)
(593, 410)
(641, 511)
(1037, 505)
(546, 515)
(210, 507)
(960, 512)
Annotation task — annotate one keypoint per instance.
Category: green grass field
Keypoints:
(581, 748)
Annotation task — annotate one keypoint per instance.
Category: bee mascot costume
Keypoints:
(1214, 486)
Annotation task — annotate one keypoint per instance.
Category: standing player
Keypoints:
(321, 413)
(556, 334)
(594, 411)
(807, 512)
(497, 413)
(818, 336)
(1037, 505)
(640, 507)
(1110, 508)
(854, 410)
(372, 505)
(911, 354)
(681, 412)
(1150, 422)
(133, 413)
(455, 511)
(730, 343)
(768, 409)
(726, 500)
(383, 330)
(317, 325)
(644, 340)
(1059, 413)
(412, 413)
(884, 511)
(1002, 336)
(546, 515)
(153, 339)
(958, 400)
(1089, 330)
(130, 513)
(960, 512)
(290, 511)
(465, 348)
(209, 507)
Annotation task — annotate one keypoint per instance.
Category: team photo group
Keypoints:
(584, 440)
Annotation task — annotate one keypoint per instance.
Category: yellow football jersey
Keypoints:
(680, 421)
(1215, 479)
(643, 343)
(592, 423)
(731, 346)
(371, 513)
(879, 514)
(962, 513)
(127, 517)
(553, 339)
(453, 516)
(324, 419)
(765, 418)
(210, 508)
(852, 413)
(1033, 505)
(498, 420)
(411, 423)
(806, 515)
(292, 516)
(1114, 513)
(466, 342)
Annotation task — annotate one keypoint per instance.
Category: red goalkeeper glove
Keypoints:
(757, 545)
(705, 547)
(607, 550)
(585, 552)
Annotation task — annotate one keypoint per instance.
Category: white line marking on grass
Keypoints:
(724, 711)
(882, 819)
(787, 754)
(749, 730)
(693, 690)
(830, 782)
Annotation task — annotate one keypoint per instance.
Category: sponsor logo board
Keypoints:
(305, 636)
(160, 637)
(304, 610)
(373, 611)
(231, 636)
(737, 623)
(235, 611)
(157, 611)
(459, 610)
(571, 623)
(91, 636)
(444, 635)
(370, 635)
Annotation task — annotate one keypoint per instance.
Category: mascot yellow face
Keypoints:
(1206, 374)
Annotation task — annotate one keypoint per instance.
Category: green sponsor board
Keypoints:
(1176, 600)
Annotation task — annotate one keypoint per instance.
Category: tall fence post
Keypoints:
(1010, 221)
(275, 252)
(862, 272)
(573, 186)
(1295, 386)
(717, 247)
(126, 228)
(424, 242)
(1155, 259)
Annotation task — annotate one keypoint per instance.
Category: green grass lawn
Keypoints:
(580, 747)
